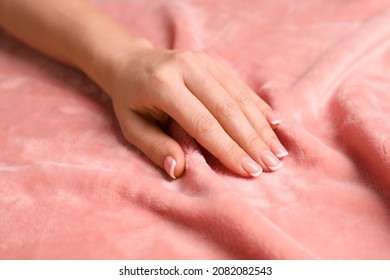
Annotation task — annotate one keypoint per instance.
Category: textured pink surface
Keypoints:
(71, 187)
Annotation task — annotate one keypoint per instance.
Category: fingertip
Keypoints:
(174, 161)
(251, 167)
(273, 117)
(159, 147)
(170, 165)
(174, 166)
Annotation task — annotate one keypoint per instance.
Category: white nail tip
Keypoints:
(280, 155)
(276, 167)
(257, 170)
(169, 166)
(172, 169)
(275, 122)
(257, 174)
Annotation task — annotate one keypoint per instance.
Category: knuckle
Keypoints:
(261, 105)
(254, 140)
(184, 57)
(266, 131)
(159, 76)
(226, 109)
(154, 148)
(230, 150)
(241, 95)
(239, 92)
(202, 54)
(190, 60)
(205, 126)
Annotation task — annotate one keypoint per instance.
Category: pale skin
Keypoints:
(149, 85)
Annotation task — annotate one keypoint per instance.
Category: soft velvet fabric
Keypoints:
(71, 187)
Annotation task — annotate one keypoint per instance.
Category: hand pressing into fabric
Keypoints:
(224, 115)
(149, 85)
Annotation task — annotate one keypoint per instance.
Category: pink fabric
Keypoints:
(71, 187)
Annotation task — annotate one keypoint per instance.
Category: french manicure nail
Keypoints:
(270, 160)
(169, 166)
(277, 148)
(273, 117)
(251, 167)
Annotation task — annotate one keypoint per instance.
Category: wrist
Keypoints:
(105, 60)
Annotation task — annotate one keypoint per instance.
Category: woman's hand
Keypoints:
(147, 86)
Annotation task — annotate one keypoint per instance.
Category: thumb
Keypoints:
(154, 143)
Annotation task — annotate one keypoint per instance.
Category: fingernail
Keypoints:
(251, 167)
(270, 160)
(277, 148)
(169, 166)
(273, 117)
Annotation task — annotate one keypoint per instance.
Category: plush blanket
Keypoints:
(71, 186)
